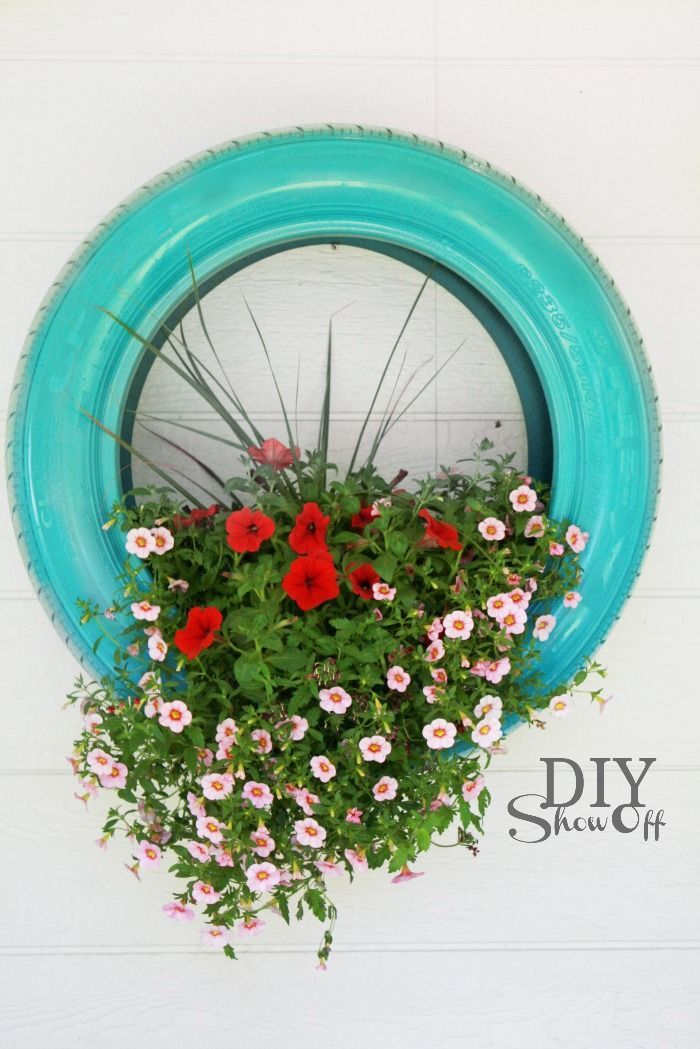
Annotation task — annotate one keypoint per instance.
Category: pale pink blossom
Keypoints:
(178, 585)
(226, 730)
(544, 625)
(335, 700)
(309, 832)
(322, 768)
(150, 683)
(152, 707)
(262, 877)
(203, 892)
(383, 592)
(92, 722)
(560, 706)
(99, 761)
(399, 679)
(197, 850)
(435, 630)
(133, 649)
(250, 925)
(305, 799)
(438, 802)
(434, 652)
(210, 828)
(300, 727)
(385, 789)
(152, 631)
(523, 499)
(327, 867)
(223, 856)
(489, 706)
(263, 739)
(406, 874)
(115, 777)
(353, 816)
(556, 549)
(433, 693)
(215, 935)
(217, 785)
(519, 598)
(145, 610)
(513, 622)
(534, 526)
(224, 752)
(195, 805)
(572, 599)
(140, 542)
(440, 734)
(492, 529)
(157, 648)
(458, 625)
(472, 788)
(498, 606)
(206, 756)
(375, 748)
(258, 794)
(487, 732)
(148, 854)
(263, 842)
(439, 675)
(178, 911)
(162, 540)
(357, 860)
(576, 538)
(496, 670)
(176, 716)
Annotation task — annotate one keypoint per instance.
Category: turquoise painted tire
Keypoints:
(564, 330)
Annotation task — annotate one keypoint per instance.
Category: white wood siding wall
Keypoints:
(581, 942)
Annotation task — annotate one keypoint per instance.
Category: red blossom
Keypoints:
(309, 533)
(363, 517)
(273, 453)
(438, 532)
(247, 530)
(310, 581)
(199, 632)
(196, 517)
(362, 579)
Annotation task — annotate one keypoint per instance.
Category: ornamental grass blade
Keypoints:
(386, 368)
(391, 423)
(324, 423)
(139, 416)
(189, 455)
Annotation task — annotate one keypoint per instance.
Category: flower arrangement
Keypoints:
(326, 668)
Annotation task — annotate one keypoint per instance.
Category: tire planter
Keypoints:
(557, 317)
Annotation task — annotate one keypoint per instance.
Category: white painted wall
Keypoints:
(575, 943)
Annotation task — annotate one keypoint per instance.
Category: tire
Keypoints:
(565, 332)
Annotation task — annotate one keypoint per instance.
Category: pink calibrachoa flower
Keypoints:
(258, 794)
(327, 867)
(139, 541)
(439, 675)
(217, 785)
(210, 828)
(224, 752)
(322, 768)
(334, 700)
(215, 935)
(560, 706)
(300, 727)
(440, 734)
(133, 649)
(250, 925)
(437, 802)
(406, 874)
(148, 854)
(375, 748)
(496, 670)
(498, 605)
(152, 707)
(223, 856)
(357, 860)
(178, 911)
(309, 832)
(263, 842)
(383, 592)
(489, 706)
(226, 730)
(353, 816)
(576, 538)
(385, 789)
(492, 529)
(179, 585)
(472, 788)
(513, 622)
(544, 625)
(519, 598)
(486, 732)
(99, 761)
(458, 625)
(150, 683)
(195, 805)
(145, 610)
(203, 892)
(305, 799)
(115, 777)
(434, 652)
(433, 693)
(197, 850)
(263, 739)
(572, 599)
(556, 550)
(206, 756)
(157, 648)
(399, 679)
(534, 527)
(523, 499)
(162, 540)
(435, 629)
(92, 722)
(176, 716)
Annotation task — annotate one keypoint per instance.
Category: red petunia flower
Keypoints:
(362, 580)
(196, 517)
(199, 632)
(247, 530)
(438, 532)
(273, 453)
(310, 581)
(365, 515)
(309, 533)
